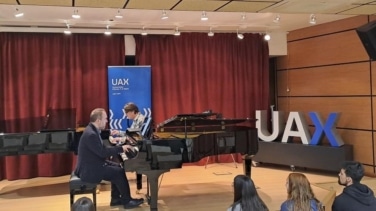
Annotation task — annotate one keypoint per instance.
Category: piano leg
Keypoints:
(139, 181)
(153, 176)
(247, 164)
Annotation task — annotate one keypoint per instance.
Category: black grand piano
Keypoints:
(189, 138)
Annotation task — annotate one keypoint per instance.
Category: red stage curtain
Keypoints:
(41, 71)
(39, 165)
(194, 73)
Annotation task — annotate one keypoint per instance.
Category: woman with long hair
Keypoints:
(300, 196)
(246, 197)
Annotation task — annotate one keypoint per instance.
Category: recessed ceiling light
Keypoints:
(18, 13)
(277, 18)
(144, 32)
(75, 14)
(204, 17)
(243, 17)
(177, 32)
(164, 15)
(107, 32)
(239, 35)
(312, 19)
(210, 33)
(267, 37)
(118, 15)
(67, 30)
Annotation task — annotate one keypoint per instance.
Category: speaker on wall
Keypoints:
(367, 34)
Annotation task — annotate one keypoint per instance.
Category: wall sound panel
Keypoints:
(362, 144)
(329, 28)
(333, 49)
(373, 72)
(347, 79)
(328, 70)
(355, 111)
(369, 171)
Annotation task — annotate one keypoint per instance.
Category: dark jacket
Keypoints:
(92, 155)
(356, 197)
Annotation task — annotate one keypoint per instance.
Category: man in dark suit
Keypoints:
(93, 167)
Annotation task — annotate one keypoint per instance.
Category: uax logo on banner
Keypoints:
(297, 119)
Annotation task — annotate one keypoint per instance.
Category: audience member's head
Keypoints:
(245, 194)
(299, 192)
(351, 172)
(83, 204)
(355, 196)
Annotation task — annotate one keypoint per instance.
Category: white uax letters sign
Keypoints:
(297, 118)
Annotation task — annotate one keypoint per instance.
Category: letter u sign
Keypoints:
(296, 126)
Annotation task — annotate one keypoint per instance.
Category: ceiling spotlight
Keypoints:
(277, 18)
(210, 33)
(240, 36)
(204, 17)
(107, 32)
(75, 14)
(144, 32)
(164, 15)
(67, 30)
(312, 19)
(243, 17)
(267, 37)
(177, 32)
(118, 15)
(18, 13)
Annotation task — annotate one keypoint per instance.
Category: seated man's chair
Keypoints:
(77, 186)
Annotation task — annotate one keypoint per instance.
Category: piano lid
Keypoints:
(180, 122)
(198, 122)
(181, 117)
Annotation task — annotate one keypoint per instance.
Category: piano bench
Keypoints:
(77, 186)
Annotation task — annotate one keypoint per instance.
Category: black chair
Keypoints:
(12, 144)
(77, 186)
(59, 142)
(36, 143)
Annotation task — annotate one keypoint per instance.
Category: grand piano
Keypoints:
(188, 138)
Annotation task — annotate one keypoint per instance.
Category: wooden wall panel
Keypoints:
(370, 171)
(283, 83)
(355, 111)
(362, 144)
(327, 69)
(282, 62)
(373, 72)
(338, 48)
(374, 110)
(372, 17)
(328, 28)
(347, 79)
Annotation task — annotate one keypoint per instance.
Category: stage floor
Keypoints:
(190, 188)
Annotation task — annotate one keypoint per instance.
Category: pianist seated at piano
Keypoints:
(93, 166)
(121, 137)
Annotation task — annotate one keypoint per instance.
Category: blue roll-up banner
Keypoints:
(128, 84)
